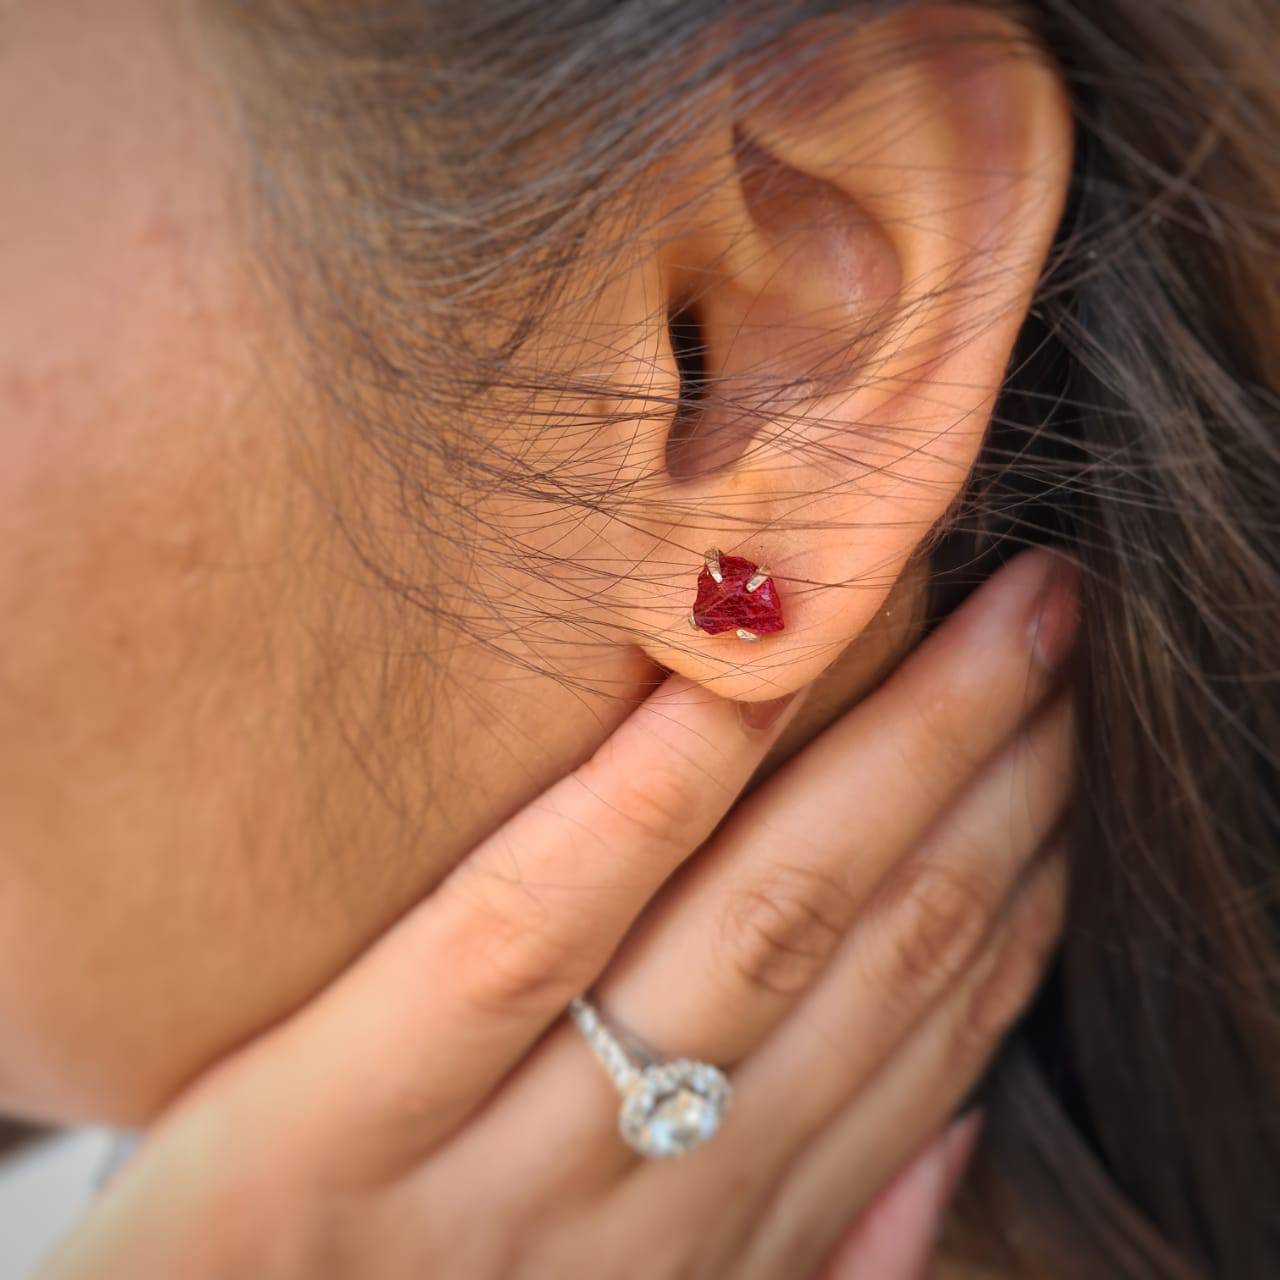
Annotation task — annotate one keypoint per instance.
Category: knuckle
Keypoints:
(518, 961)
(657, 802)
(779, 932)
(935, 925)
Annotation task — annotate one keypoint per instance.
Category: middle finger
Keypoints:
(722, 954)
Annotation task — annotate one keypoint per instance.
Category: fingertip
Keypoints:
(894, 1238)
(761, 718)
(959, 1141)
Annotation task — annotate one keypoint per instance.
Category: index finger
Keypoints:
(434, 1015)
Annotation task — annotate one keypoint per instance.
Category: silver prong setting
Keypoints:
(693, 623)
(668, 1108)
(744, 634)
(757, 579)
(712, 561)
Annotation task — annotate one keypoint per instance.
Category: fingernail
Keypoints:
(959, 1141)
(1055, 618)
(759, 717)
(896, 1234)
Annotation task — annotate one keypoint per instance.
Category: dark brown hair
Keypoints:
(465, 156)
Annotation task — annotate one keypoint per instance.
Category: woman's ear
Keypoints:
(844, 302)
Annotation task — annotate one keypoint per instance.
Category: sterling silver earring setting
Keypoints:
(735, 594)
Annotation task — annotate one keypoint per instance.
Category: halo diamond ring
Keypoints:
(668, 1108)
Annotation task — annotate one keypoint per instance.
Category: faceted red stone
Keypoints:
(728, 605)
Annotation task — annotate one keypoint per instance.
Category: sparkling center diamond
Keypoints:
(683, 1120)
(674, 1107)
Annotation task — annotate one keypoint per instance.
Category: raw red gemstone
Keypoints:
(728, 605)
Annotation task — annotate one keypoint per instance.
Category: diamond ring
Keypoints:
(668, 1108)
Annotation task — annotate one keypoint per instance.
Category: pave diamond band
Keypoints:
(668, 1108)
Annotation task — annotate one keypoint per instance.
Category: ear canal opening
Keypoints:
(688, 348)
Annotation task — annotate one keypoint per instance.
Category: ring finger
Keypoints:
(914, 938)
(919, 938)
(728, 948)
(796, 1186)
(859, 1148)
(918, 942)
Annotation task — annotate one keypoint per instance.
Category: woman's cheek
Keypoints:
(143, 705)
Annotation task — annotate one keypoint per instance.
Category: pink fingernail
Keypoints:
(959, 1141)
(759, 717)
(895, 1236)
(1055, 617)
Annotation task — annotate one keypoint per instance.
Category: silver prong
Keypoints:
(712, 559)
(757, 579)
(744, 634)
(693, 623)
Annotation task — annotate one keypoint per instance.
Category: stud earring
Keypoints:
(735, 595)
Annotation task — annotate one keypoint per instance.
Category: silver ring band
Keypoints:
(668, 1108)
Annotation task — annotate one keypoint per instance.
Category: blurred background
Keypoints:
(46, 1180)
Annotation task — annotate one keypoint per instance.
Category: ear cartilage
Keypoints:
(738, 595)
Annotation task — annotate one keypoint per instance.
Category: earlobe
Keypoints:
(857, 290)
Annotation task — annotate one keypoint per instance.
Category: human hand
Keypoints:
(850, 943)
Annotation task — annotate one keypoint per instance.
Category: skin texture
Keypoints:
(231, 759)
(193, 681)
(225, 766)
(199, 761)
(392, 1124)
(146, 683)
(191, 689)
